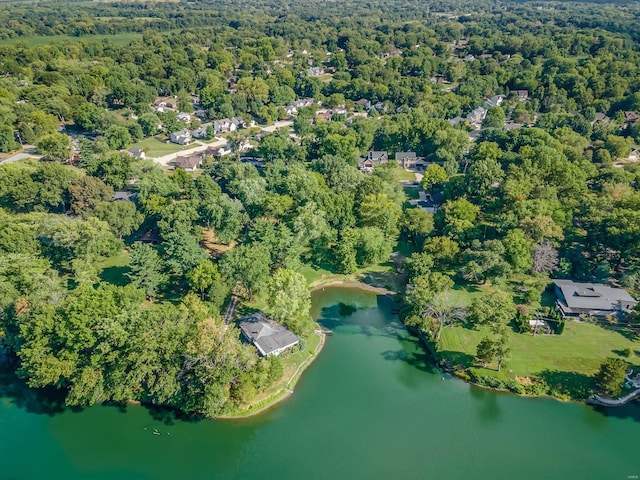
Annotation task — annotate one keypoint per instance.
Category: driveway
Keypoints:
(166, 160)
(28, 152)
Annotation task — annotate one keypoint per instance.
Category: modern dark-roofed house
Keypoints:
(591, 299)
(269, 337)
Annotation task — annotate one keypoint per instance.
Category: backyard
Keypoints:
(569, 358)
(157, 148)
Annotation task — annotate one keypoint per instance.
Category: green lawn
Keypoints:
(157, 148)
(412, 193)
(406, 175)
(115, 268)
(577, 352)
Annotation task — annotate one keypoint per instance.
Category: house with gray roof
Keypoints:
(269, 337)
(181, 137)
(591, 299)
(373, 159)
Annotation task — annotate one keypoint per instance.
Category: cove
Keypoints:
(371, 406)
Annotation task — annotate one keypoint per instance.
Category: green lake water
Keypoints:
(370, 407)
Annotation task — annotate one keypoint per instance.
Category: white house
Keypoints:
(181, 137)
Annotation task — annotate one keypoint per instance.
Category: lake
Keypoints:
(370, 407)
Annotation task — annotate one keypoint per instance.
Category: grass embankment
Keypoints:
(564, 362)
(294, 364)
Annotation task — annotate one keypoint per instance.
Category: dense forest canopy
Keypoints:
(545, 184)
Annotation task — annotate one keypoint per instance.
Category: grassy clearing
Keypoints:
(578, 351)
(113, 269)
(406, 175)
(157, 148)
(412, 193)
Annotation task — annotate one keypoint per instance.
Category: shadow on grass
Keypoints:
(623, 353)
(115, 275)
(575, 385)
(458, 358)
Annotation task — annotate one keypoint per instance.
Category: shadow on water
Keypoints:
(416, 359)
(41, 401)
(489, 408)
(629, 411)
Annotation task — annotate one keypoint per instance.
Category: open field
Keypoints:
(157, 148)
(575, 354)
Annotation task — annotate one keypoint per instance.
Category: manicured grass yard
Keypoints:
(578, 350)
(413, 193)
(114, 269)
(158, 148)
(406, 175)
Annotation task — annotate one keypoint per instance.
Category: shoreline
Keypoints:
(284, 393)
(332, 282)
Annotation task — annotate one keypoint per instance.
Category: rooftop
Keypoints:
(595, 297)
(268, 336)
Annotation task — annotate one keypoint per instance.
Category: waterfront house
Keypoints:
(269, 337)
(591, 299)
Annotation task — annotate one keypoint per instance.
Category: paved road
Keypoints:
(277, 125)
(166, 160)
(29, 152)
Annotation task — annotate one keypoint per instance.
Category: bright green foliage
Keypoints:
(416, 224)
(486, 351)
(382, 212)
(122, 216)
(433, 175)
(248, 267)
(204, 276)
(496, 308)
(610, 376)
(518, 250)
(289, 301)
(458, 217)
(145, 268)
(56, 146)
